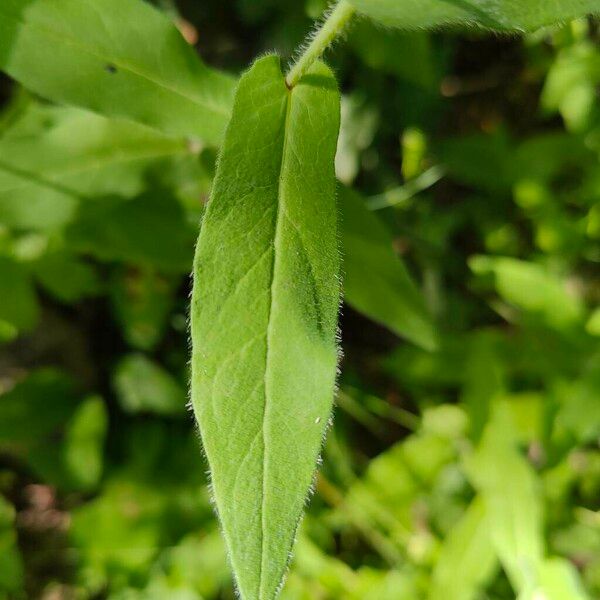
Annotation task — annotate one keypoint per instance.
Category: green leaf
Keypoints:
(531, 287)
(593, 323)
(467, 559)
(84, 441)
(496, 164)
(498, 15)
(376, 281)
(580, 410)
(559, 580)
(143, 386)
(66, 277)
(55, 156)
(408, 56)
(264, 315)
(18, 304)
(119, 58)
(571, 85)
(142, 301)
(35, 407)
(484, 380)
(150, 231)
(510, 491)
(485, 162)
(11, 565)
(118, 533)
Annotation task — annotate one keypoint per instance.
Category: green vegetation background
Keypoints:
(467, 472)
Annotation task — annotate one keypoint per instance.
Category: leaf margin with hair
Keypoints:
(273, 198)
(502, 16)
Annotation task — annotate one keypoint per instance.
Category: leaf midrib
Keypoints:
(280, 210)
(122, 64)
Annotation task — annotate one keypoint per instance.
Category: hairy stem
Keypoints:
(332, 27)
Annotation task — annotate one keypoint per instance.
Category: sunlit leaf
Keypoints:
(593, 324)
(531, 287)
(559, 580)
(571, 84)
(467, 559)
(512, 500)
(54, 157)
(498, 15)
(264, 314)
(119, 58)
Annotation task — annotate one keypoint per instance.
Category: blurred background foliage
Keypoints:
(467, 470)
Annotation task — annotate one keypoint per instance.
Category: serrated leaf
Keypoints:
(467, 558)
(498, 15)
(54, 156)
(264, 314)
(119, 58)
(376, 281)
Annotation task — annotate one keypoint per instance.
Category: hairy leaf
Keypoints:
(498, 15)
(264, 314)
(120, 58)
(376, 281)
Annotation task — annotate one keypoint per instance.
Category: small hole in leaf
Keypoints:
(111, 69)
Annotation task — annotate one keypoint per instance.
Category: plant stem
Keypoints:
(332, 27)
